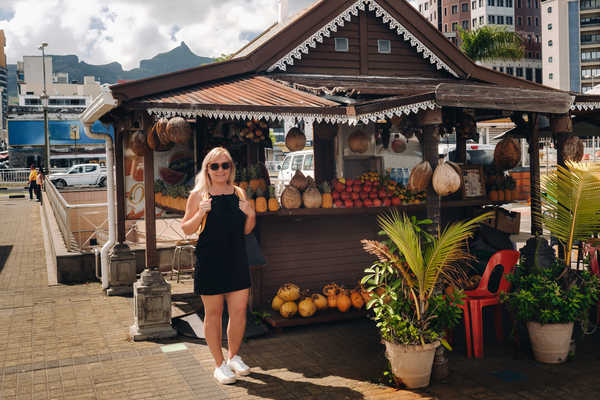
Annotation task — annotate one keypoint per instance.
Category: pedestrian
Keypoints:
(32, 178)
(39, 182)
(223, 215)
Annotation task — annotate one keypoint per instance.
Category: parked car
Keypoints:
(296, 160)
(79, 175)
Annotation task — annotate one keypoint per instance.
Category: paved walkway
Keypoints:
(71, 342)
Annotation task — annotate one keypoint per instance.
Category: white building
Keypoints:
(61, 93)
(493, 12)
(429, 9)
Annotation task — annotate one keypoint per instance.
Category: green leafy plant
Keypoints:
(543, 297)
(409, 305)
(490, 42)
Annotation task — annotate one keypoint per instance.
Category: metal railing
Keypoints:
(79, 224)
(15, 176)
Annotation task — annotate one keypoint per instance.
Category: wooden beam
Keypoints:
(562, 127)
(149, 211)
(324, 149)
(534, 173)
(364, 44)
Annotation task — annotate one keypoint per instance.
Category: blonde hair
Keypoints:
(203, 181)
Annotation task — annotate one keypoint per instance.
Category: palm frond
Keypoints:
(447, 250)
(400, 230)
(572, 203)
(489, 42)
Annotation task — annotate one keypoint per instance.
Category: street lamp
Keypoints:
(44, 98)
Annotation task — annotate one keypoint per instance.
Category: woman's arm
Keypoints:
(250, 223)
(193, 214)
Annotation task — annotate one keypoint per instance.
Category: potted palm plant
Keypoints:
(547, 294)
(410, 307)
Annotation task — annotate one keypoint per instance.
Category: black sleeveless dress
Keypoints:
(221, 259)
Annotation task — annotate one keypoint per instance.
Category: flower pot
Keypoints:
(411, 364)
(550, 342)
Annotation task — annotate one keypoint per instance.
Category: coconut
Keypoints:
(179, 131)
(507, 153)
(288, 309)
(446, 180)
(152, 139)
(358, 141)
(399, 143)
(307, 308)
(311, 198)
(320, 301)
(420, 177)
(288, 292)
(295, 139)
(291, 198)
(299, 181)
(572, 149)
(161, 131)
(137, 143)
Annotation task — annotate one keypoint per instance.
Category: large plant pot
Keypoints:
(550, 342)
(411, 364)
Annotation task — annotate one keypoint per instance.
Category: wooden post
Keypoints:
(149, 211)
(461, 147)
(324, 149)
(431, 120)
(120, 136)
(534, 172)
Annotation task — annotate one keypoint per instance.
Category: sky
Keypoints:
(127, 31)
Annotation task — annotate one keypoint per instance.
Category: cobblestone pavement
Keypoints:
(71, 342)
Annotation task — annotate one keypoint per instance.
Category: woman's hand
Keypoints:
(247, 208)
(204, 206)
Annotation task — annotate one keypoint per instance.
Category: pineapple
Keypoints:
(273, 203)
(262, 182)
(250, 197)
(254, 181)
(243, 179)
(261, 201)
(327, 200)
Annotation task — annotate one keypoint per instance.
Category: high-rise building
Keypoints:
(522, 16)
(430, 9)
(571, 28)
(3, 81)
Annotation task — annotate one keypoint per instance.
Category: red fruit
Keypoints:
(350, 182)
(382, 194)
(338, 204)
(376, 202)
(368, 203)
(387, 202)
(335, 195)
(339, 187)
(373, 195)
(368, 188)
(358, 203)
(345, 195)
(348, 203)
(396, 201)
(355, 196)
(364, 195)
(348, 188)
(356, 188)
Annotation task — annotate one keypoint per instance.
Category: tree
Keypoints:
(223, 57)
(490, 42)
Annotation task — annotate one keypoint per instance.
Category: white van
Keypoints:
(302, 160)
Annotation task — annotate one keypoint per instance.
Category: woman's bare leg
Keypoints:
(237, 303)
(213, 314)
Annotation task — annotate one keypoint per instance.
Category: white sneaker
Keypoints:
(238, 366)
(224, 374)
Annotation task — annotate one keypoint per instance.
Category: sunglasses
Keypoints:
(215, 166)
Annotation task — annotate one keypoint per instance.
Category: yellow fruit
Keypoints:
(288, 309)
(307, 308)
(320, 301)
(276, 303)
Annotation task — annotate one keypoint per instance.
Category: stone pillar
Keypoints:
(151, 307)
(430, 120)
(121, 271)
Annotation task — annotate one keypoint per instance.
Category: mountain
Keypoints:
(181, 57)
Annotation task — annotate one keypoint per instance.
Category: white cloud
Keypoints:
(127, 31)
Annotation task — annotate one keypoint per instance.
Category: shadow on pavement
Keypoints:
(4, 253)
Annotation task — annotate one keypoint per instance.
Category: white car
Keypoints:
(297, 160)
(80, 175)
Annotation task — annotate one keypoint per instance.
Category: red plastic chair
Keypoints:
(592, 249)
(482, 297)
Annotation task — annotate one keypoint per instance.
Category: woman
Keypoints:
(221, 259)
(39, 182)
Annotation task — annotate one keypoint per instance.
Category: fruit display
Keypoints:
(311, 198)
(272, 204)
(290, 300)
(507, 153)
(420, 177)
(175, 183)
(254, 132)
(372, 190)
(500, 187)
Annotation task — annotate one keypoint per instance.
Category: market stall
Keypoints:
(367, 112)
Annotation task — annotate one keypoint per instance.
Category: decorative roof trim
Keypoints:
(308, 118)
(397, 111)
(346, 16)
(585, 106)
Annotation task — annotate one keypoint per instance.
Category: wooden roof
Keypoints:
(299, 35)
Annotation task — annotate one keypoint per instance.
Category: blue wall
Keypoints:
(31, 133)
